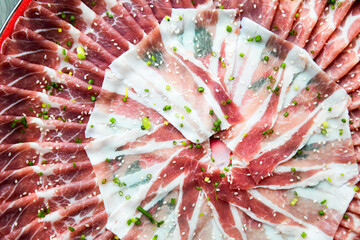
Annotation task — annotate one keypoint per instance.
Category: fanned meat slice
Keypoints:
(118, 17)
(354, 206)
(355, 97)
(259, 11)
(112, 115)
(31, 47)
(141, 12)
(182, 84)
(20, 129)
(346, 234)
(17, 102)
(160, 8)
(18, 183)
(345, 61)
(327, 23)
(86, 21)
(341, 37)
(181, 4)
(48, 25)
(208, 35)
(352, 222)
(321, 157)
(20, 74)
(281, 211)
(260, 89)
(300, 97)
(350, 82)
(85, 217)
(150, 170)
(309, 13)
(21, 155)
(284, 17)
(36, 206)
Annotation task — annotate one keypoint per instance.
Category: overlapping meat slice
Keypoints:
(289, 111)
(284, 17)
(350, 82)
(156, 171)
(259, 11)
(345, 61)
(26, 129)
(20, 74)
(207, 35)
(19, 102)
(115, 14)
(327, 23)
(141, 12)
(86, 21)
(32, 47)
(304, 23)
(341, 37)
(307, 214)
(182, 84)
(120, 111)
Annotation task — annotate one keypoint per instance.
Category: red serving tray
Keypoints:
(10, 23)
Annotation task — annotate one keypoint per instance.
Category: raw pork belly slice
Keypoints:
(19, 102)
(289, 216)
(296, 105)
(118, 17)
(32, 47)
(327, 23)
(149, 171)
(260, 11)
(112, 115)
(86, 21)
(176, 94)
(208, 35)
(341, 37)
(141, 12)
(20, 74)
(21, 155)
(345, 61)
(309, 13)
(26, 129)
(284, 17)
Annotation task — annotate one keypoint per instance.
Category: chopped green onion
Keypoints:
(146, 123)
(201, 89)
(258, 38)
(81, 53)
(286, 114)
(228, 28)
(187, 109)
(293, 202)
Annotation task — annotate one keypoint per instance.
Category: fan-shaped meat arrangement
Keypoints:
(158, 119)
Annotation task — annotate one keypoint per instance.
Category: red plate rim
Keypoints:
(10, 23)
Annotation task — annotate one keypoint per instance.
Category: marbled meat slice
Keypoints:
(141, 12)
(20, 74)
(309, 13)
(348, 29)
(15, 129)
(32, 47)
(37, 153)
(345, 61)
(327, 23)
(48, 25)
(259, 11)
(118, 17)
(19, 102)
(284, 17)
